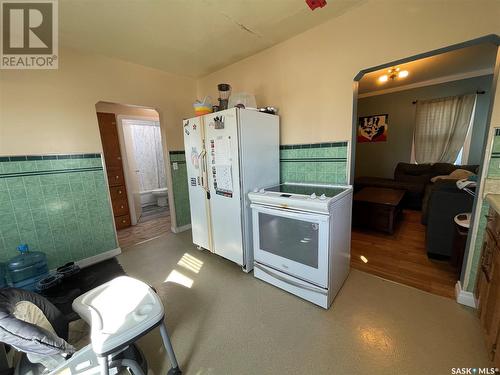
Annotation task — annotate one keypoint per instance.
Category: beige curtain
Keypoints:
(441, 127)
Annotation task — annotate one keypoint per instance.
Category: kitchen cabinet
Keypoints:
(488, 287)
(114, 169)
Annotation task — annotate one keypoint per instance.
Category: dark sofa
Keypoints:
(440, 201)
(414, 178)
(443, 201)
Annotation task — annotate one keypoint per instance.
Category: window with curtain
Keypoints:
(441, 127)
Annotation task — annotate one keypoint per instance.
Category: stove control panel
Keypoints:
(317, 202)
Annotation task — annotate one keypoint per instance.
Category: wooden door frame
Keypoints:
(166, 155)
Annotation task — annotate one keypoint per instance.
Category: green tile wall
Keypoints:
(493, 173)
(478, 244)
(180, 187)
(317, 163)
(55, 204)
(494, 165)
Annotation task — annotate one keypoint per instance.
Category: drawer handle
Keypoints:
(119, 191)
(122, 206)
(117, 177)
(124, 221)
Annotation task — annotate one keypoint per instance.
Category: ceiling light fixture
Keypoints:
(393, 74)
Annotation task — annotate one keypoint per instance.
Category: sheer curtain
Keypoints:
(441, 126)
(148, 153)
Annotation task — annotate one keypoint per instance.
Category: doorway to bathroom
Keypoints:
(134, 156)
(142, 144)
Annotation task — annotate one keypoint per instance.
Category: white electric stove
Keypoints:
(301, 238)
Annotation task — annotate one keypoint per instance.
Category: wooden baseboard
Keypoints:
(99, 258)
(463, 297)
(180, 229)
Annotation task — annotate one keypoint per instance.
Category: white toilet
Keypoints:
(161, 197)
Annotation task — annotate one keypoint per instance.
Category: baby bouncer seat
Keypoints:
(119, 312)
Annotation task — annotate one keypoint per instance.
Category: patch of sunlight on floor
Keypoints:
(191, 263)
(179, 278)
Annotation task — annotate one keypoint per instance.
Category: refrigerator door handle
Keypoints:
(202, 159)
(201, 163)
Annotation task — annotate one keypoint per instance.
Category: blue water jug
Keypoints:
(26, 269)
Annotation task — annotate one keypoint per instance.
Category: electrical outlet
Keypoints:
(175, 166)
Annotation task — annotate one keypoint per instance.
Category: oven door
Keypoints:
(293, 242)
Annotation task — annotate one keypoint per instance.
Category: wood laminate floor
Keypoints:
(401, 257)
(144, 231)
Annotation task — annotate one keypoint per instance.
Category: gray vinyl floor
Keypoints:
(223, 321)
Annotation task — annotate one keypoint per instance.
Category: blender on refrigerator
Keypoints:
(224, 94)
(228, 154)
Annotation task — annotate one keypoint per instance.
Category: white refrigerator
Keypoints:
(228, 154)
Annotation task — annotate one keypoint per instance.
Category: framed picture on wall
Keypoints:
(372, 128)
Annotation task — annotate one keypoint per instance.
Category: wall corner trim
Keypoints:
(463, 297)
(181, 229)
(99, 258)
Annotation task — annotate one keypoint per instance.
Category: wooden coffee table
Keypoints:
(377, 208)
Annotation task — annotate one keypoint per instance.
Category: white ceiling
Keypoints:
(188, 37)
(479, 58)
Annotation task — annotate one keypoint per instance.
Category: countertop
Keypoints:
(494, 201)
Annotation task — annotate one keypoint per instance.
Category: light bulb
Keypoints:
(383, 78)
(403, 74)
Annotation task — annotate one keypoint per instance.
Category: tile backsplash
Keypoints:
(494, 166)
(478, 244)
(492, 177)
(180, 187)
(318, 162)
(57, 204)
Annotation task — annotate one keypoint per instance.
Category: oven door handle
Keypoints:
(291, 282)
(290, 213)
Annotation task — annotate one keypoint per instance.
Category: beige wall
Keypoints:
(310, 77)
(54, 111)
